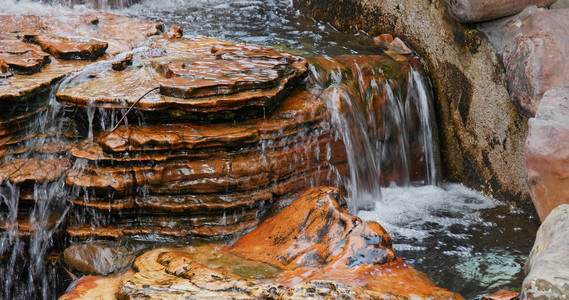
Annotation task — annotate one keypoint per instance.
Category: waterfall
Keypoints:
(388, 128)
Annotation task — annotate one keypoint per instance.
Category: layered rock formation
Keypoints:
(484, 10)
(36, 51)
(189, 179)
(547, 267)
(311, 249)
(202, 78)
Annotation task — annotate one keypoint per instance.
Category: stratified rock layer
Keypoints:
(207, 77)
(65, 34)
(185, 179)
(535, 59)
(547, 152)
(319, 249)
(35, 53)
(547, 267)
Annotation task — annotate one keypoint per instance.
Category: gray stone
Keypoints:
(547, 267)
(536, 58)
(481, 133)
(484, 10)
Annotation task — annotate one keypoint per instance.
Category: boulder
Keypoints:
(547, 152)
(535, 58)
(547, 267)
(350, 259)
(484, 10)
(560, 4)
(96, 259)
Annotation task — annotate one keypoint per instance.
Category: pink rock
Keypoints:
(547, 152)
(484, 10)
(535, 59)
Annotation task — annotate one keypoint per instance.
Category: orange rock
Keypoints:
(203, 76)
(22, 58)
(383, 40)
(21, 170)
(68, 48)
(320, 251)
(502, 295)
(313, 231)
(119, 32)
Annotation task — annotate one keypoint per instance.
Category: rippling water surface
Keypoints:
(271, 23)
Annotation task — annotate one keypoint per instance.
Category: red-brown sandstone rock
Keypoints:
(68, 48)
(221, 174)
(206, 76)
(66, 34)
(502, 295)
(535, 58)
(349, 259)
(547, 152)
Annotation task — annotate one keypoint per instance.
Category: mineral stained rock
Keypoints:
(27, 41)
(177, 177)
(535, 58)
(184, 179)
(484, 10)
(340, 263)
(502, 295)
(547, 267)
(547, 152)
(200, 76)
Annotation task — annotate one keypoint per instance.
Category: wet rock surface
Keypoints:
(226, 131)
(202, 76)
(184, 272)
(534, 58)
(502, 295)
(150, 177)
(483, 10)
(547, 267)
(70, 35)
(547, 152)
(96, 259)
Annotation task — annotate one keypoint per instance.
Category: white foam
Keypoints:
(417, 213)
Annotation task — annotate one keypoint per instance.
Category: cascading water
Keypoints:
(33, 214)
(384, 125)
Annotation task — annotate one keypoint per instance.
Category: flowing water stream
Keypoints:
(464, 241)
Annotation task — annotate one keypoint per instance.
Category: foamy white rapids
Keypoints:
(413, 214)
